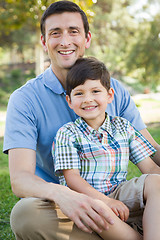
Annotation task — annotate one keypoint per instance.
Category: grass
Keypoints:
(8, 200)
(154, 129)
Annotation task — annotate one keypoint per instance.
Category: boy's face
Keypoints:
(90, 100)
(65, 39)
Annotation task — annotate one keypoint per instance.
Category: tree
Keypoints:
(144, 55)
(17, 15)
(112, 29)
(127, 44)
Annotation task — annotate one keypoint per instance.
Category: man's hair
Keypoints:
(61, 7)
(84, 69)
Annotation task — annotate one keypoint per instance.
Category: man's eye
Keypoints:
(74, 31)
(55, 34)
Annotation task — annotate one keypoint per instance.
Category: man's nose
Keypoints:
(65, 40)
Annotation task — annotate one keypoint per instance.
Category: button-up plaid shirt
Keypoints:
(100, 155)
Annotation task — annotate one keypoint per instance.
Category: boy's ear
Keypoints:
(110, 95)
(69, 101)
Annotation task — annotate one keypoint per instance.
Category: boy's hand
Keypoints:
(119, 208)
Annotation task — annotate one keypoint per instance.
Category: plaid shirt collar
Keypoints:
(90, 132)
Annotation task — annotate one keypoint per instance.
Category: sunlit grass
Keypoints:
(7, 199)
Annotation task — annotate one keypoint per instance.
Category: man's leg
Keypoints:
(151, 216)
(37, 219)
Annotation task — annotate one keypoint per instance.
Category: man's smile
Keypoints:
(66, 52)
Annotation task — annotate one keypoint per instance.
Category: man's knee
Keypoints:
(31, 215)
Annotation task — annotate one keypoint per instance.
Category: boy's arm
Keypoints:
(78, 184)
(147, 135)
(148, 166)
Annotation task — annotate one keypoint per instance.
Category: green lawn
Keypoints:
(7, 199)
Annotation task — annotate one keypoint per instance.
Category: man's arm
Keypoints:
(124, 106)
(80, 208)
(147, 135)
(77, 183)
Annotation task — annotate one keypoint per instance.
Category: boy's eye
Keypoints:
(96, 91)
(78, 94)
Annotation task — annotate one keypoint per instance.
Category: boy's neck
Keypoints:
(95, 124)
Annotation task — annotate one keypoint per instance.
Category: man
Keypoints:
(35, 112)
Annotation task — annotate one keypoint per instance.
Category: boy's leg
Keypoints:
(37, 219)
(131, 194)
(120, 230)
(151, 216)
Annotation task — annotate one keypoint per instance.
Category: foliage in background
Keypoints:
(11, 80)
(144, 54)
(129, 45)
(20, 20)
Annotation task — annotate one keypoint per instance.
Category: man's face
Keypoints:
(65, 39)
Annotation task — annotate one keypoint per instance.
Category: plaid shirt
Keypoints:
(100, 155)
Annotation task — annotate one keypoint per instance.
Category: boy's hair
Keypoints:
(61, 7)
(84, 69)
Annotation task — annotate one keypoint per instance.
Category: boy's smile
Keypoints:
(90, 101)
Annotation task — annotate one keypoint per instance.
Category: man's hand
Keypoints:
(119, 208)
(87, 213)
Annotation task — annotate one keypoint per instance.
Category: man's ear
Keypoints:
(69, 101)
(88, 40)
(110, 95)
(44, 43)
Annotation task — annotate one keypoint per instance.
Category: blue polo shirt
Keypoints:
(39, 108)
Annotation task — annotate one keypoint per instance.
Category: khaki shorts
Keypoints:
(131, 194)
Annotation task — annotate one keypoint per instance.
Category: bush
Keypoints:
(9, 81)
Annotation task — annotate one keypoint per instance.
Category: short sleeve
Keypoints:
(20, 129)
(124, 106)
(66, 153)
(139, 147)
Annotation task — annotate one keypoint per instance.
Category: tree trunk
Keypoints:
(39, 56)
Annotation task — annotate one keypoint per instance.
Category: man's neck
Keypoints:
(61, 75)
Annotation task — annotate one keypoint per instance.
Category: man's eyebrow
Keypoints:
(74, 27)
(54, 29)
(58, 28)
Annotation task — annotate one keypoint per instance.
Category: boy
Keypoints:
(92, 155)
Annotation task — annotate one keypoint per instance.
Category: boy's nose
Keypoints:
(88, 98)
